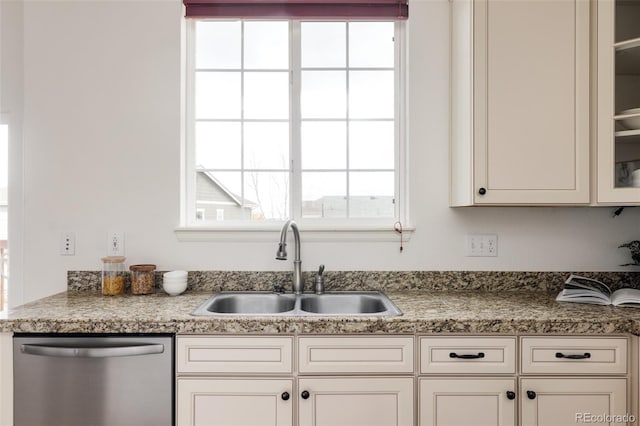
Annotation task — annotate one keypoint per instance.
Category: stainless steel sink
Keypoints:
(366, 303)
(346, 303)
(248, 303)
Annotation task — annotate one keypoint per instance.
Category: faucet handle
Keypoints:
(319, 281)
(278, 288)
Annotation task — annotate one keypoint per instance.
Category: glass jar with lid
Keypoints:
(113, 275)
(143, 278)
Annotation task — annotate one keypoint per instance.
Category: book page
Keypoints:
(626, 297)
(583, 296)
(579, 282)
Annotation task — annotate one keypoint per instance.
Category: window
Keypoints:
(294, 119)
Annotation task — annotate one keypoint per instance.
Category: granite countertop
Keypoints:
(468, 311)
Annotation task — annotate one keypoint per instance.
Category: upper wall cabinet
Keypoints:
(618, 101)
(520, 102)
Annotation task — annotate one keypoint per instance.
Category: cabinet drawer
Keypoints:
(239, 355)
(355, 354)
(568, 355)
(468, 355)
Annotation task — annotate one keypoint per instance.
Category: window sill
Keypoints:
(271, 233)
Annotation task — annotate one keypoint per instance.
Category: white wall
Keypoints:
(101, 151)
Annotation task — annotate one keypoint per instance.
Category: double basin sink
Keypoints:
(344, 303)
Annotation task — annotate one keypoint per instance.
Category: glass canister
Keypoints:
(143, 279)
(113, 275)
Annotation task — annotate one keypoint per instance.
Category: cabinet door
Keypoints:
(567, 402)
(618, 102)
(333, 401)
(530, 103)
(463, 402)
(237, 402)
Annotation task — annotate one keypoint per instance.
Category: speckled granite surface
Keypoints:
(214, 281)
(470, 311)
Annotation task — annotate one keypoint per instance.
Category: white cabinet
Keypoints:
(352, 401)
(355, 354)
(473, 380)
(251, 380)
(237, 402)
(467, 401)
(467, 381)
(588, 378)
(568, 401)
(373, 399)
(221, 381)
(618, 102)
(520, 102)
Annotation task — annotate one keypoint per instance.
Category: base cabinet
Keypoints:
(237, 402)
(467, 401)
(367, 401)
(569, 401)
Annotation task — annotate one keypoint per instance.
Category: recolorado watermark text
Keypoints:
(590, 418)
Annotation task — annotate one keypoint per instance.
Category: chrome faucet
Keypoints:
(298, 285)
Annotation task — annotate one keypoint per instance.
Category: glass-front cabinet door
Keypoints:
(618, 101)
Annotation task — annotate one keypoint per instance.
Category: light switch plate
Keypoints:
(481, 245)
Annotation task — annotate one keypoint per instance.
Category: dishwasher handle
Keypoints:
(92, 351)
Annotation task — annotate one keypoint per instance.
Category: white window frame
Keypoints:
(348, 229)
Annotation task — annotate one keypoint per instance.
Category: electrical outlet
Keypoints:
(481, 245)
(67, 244)
(115, 244)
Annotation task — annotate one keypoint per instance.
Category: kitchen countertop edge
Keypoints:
(463, 312)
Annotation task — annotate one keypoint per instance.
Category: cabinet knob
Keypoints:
(531, 395)
(285, 396)
(511, 395)
(482, 191)
(305, 395)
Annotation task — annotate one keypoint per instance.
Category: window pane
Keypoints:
(371, 94)
(324, 44)
(324, 145)
(371, 194)
(371, 145)
(371, 44)
(217, 95)
(218, 44)
(324, 194)
(266, 45)
(267, 193)
(218, 145)
(371, 183)
(220, 190)
(323, 94)
(266, 95)
(266, 146)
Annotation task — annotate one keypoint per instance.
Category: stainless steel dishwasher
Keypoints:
(93, 380)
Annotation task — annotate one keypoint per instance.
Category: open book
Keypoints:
(579, 289)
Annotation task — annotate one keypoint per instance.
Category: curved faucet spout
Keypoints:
(298, 285)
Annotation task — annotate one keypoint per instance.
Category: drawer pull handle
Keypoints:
(305, 394)
(466, 356)
(511, 395)
(531, 395)
(586, 355)
(285, 396)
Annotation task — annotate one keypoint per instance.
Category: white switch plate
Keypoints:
(67, 244)
(481, 245)
(115, 243)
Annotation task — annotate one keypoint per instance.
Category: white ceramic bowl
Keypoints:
(631, 123)
(176, 275)
(174, 288)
